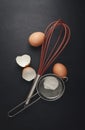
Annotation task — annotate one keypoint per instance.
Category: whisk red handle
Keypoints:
(60, 44)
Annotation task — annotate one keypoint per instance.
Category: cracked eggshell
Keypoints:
(51, 83)
(23, 60)
(28, 74)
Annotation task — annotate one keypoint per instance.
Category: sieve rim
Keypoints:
(55, 97)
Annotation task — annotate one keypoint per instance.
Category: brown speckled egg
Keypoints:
(36, 39)
(60, 70)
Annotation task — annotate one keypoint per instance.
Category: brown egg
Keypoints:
(36, 39)
(60, 70)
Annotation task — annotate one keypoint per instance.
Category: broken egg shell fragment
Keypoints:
(28, 74)
(23, 60)
(51, 83)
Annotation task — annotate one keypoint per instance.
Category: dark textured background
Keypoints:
(19, 18)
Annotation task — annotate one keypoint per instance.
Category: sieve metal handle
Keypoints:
(21, 107)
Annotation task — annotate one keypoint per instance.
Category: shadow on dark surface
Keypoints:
(18, 19)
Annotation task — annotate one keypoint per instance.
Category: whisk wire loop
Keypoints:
(60, 44)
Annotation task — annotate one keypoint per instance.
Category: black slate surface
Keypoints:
(18, 19)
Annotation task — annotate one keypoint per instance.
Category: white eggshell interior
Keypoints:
(28, 74)
(23, 60)
(51, 83)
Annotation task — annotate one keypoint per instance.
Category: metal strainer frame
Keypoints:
(55, 98)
